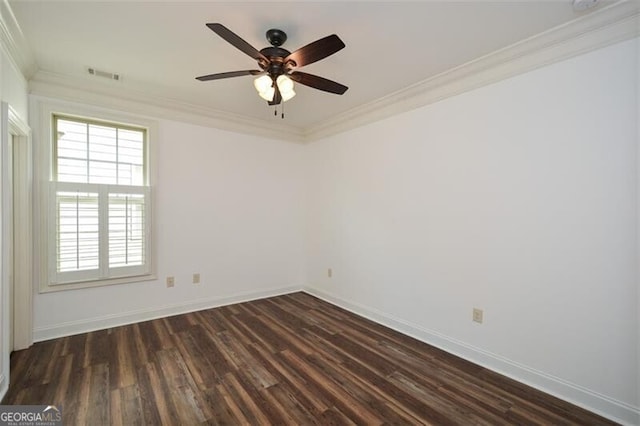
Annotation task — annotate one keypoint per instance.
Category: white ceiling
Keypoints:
(159, 47)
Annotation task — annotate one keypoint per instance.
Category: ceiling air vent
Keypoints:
(582, 5)
(104, 74)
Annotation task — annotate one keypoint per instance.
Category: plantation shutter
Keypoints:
(101, 202)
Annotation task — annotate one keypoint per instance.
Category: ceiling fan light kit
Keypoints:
(278, 66)
(266, 90)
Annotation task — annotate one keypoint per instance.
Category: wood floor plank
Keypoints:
(339, 397)
(122, 372)
(159, 397)
(288, 334)
(71, 395)
(149, 339)
(307, 393)
(221, 413)
(291, 359)
(180, 388)
(163, 334)
(125, 407)
(60, 383)
(245, 384)
(152, 411)
(250, 410)
(200, 357)
(235, 406)
(333, 416)
(139, 346)
(97, 348)
(290, 409)
(209, 319)
(373, 401)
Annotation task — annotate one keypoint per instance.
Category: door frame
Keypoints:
(22, 298)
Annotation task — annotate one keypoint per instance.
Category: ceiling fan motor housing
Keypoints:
(276, 54)
(276, 65)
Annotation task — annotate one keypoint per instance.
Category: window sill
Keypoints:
(50, 288)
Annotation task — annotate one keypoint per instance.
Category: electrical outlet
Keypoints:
(329, 273)
(477, 315)
(171, 281)
(196, 278)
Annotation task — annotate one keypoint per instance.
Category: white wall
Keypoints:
(519, 198)
(227, 206)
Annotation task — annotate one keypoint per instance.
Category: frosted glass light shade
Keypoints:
(264, 86)
(262, 83)
(268, 94)
(285, 84)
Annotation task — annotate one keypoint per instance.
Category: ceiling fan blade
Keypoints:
(229, 74)
(236, 41)
(319, 83)
(315, 51)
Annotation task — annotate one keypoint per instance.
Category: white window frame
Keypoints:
(50, 280)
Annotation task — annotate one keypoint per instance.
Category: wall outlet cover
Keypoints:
(477, 315)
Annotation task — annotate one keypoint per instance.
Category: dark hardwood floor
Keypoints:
(290, 359)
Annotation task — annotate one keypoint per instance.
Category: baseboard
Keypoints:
(115, 320)
(607, 407)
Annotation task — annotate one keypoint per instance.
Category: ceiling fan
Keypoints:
(278, 66)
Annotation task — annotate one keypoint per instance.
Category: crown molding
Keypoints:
(14, 43)
(605, 26)
(608, 25)
(111, 95)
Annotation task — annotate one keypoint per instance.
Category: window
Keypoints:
(99, 202)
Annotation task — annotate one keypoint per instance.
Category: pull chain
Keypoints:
(275, 111)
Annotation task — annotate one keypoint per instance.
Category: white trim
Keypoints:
(14, 42)
(22, 223)
(131, 317)
(609, 25)
(41, 112)
(17, 126)
(608, 407)
(48, 84)
(6, 249)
